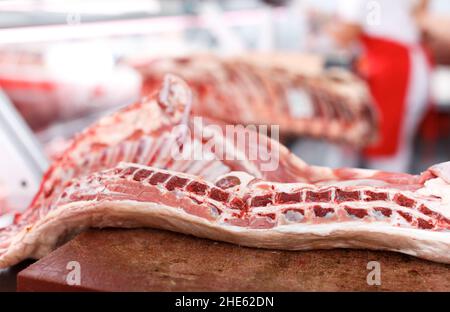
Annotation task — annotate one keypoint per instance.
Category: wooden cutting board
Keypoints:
(153, 260)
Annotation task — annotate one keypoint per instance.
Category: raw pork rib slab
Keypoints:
(145, 133)
(329, 104)
(120, 172)
(240, 209)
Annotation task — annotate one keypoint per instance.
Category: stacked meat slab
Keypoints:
(331, 104)
(146, 166)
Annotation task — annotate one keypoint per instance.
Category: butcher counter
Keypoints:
(154, 260)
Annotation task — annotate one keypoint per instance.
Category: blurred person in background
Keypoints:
(435, 25)
(397, 70)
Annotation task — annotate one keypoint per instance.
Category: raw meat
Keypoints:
(241, 209)
(338, 208)
(330, 104)
(148, 133)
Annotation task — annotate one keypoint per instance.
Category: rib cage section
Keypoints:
(265, 205)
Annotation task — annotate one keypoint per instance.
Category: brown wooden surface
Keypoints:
(152, 260)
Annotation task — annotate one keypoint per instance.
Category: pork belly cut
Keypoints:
(270, 215)
(234, 198)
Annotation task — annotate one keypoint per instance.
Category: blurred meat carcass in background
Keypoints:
(290, 90)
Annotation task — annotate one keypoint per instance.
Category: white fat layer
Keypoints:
(439, 188)
(364, 184)
(263, 186)
(359, 182)
(422, 240)
(74, 217)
